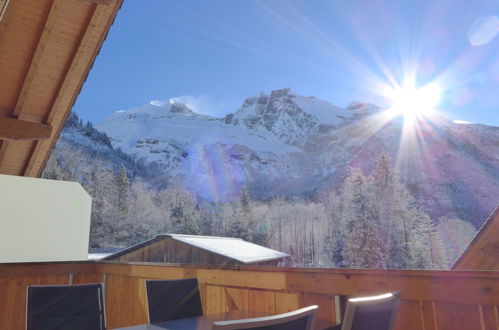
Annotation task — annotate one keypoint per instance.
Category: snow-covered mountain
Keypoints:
(284, 143)
(289, 117)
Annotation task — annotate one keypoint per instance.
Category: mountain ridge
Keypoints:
(282, 143)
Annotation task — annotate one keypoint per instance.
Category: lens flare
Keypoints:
(413, 102)
(211, 171)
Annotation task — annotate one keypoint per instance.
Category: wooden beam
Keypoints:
(101, 2)
(56, 60)
(483, 251)
(3, 7)
(48, 144)
(99, 23)
(37, 53)
(18, 129)
(459, 287)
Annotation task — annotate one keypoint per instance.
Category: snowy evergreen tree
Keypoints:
(357, 210)
(378, 225)
(239, 229)
(456, 235)
(183, 211)
(122, 185)
(370, 221)
(391, 202)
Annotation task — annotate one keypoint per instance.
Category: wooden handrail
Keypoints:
(430, 299)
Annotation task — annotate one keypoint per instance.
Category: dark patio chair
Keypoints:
(173, 299)
(58, 307)
(371, 313)
(301, 319)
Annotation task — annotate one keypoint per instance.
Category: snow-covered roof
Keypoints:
(98, 256)
(234, 248)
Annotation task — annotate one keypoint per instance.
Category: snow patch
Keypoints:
(462, 122)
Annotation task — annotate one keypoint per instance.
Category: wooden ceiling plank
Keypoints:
(14, 165)
(100, 21)
(20, 31)
(49, 45)
(3, 150)
(50, 20)
(101, 2)
(18, 129)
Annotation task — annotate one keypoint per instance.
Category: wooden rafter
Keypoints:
(37, 149)
(73, 81)
(3, 7)
(18, 129)
(33, 67)
(101, 2)
(64, 42)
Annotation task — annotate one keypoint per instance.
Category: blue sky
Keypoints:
(215, 53)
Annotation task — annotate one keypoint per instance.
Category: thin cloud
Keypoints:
(157, 103)
(204, 105)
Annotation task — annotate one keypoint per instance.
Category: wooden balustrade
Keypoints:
(431, 300)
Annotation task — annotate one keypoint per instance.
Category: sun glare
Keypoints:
(413, 102)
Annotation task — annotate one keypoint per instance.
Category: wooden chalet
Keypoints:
(47, 48)
(200, 250)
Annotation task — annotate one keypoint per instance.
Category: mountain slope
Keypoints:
(283, 143)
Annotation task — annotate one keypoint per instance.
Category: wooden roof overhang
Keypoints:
(483, 251)
(47, 48)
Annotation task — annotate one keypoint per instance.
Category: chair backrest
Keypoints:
(301, 319)
(373, 313)
(65, 307)
(173, 299)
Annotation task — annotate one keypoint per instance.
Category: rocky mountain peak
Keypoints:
(359, 106)
(289, 116)
(179, 107)
(281, 93)
(276, 112)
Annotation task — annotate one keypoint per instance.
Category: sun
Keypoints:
(413, 102)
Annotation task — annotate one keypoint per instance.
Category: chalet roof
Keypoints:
(47, 48)
(233, 248)
(483, 251)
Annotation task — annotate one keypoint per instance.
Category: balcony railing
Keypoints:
(431, 300)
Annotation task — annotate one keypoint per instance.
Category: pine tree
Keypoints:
(380, 227)
(358, 210)
(246, 224)
(122, 190)
(439, 259)
(331, 204)
(245, 201)
(389, 212)
(183, 211)
(239, 229)
(207, 223)
(455, 234)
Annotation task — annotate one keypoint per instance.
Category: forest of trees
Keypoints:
(371, 221)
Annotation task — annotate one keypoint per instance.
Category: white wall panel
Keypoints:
(43, 220)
